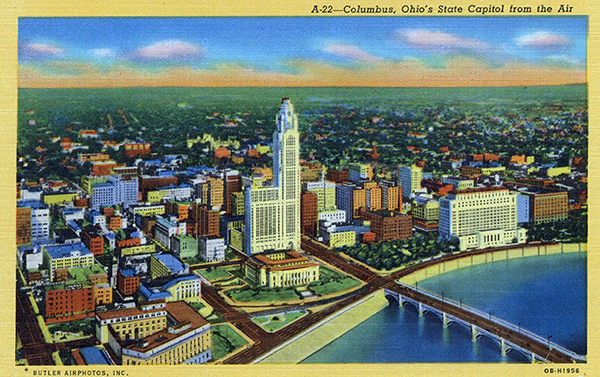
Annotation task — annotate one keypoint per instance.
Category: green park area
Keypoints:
(275, 322)
(248, 294)
(331, 281)
(67, 331)
(215, 273)
(225, 340)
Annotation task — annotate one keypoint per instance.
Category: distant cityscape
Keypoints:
(219, 248)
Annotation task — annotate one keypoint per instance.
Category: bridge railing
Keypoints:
(500, 321)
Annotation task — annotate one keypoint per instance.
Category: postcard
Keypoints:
(352, 188)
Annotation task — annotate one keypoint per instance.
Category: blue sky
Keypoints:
(78, 48)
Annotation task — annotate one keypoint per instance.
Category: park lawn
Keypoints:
(335, 286)
(225, 340)
(287, 319)
(215, 273)
(261, 320)
(264, 295)
(326, 273)
(82, 327)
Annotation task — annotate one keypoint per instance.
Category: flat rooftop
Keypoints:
(184, 315)
(68, 250)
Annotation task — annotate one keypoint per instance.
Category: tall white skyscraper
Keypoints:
(273, 213)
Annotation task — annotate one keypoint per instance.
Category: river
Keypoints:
(544, 294)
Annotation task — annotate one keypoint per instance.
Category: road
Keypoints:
(268, 341)
(36, 350)
(39, 353)
(519, 338)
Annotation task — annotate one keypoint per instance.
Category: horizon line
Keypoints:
(304, 87)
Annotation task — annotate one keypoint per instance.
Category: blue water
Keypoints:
(544, 294)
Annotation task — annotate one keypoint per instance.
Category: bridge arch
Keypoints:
(393, 299)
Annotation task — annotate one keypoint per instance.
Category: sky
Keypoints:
(302, 51)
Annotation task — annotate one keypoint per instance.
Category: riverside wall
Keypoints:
(318, 336)
(513, 253)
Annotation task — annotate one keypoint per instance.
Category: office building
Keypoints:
(39, 220)
(127, 281)
(116, 190)
(389, 225)
(207, 220)
(172, 288)
(165, 228)
(360, 172)
(350, 198)
(23, 226)
(391, 198)
(545, 205)
(184, 246)
(326, 194)
(309, 213)
(480, 217)
(426, 213)
(185, 340)
(273, 213)
(335, 235)
(62, 257)
(237, 204)
(165, 265)
(67, 302)
(211, 248)
(233, 186)
(410, 180)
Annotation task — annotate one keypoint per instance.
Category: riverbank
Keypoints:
(517, 252)
(545, 295)
(318, 336)
(326, 332)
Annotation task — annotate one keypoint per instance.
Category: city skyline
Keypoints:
(261, 51)
(177, 240)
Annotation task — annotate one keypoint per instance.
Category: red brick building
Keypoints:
(180, 210)
(368, 237)
(485, 157)
(82, 202)
(546, 205)
(148, 223)
(438, 187)
(389, 225)
(92, 238)
(207, 221)
(107, 211)
(233, 183)
(137, 149)
(129, 242)
(150, 183)
(309, 214)
(338, 176)
(103, 168)
(127, 282)
(67, 302)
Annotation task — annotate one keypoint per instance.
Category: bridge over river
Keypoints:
(508, 336)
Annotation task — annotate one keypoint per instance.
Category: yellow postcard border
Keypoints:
(11, 10)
